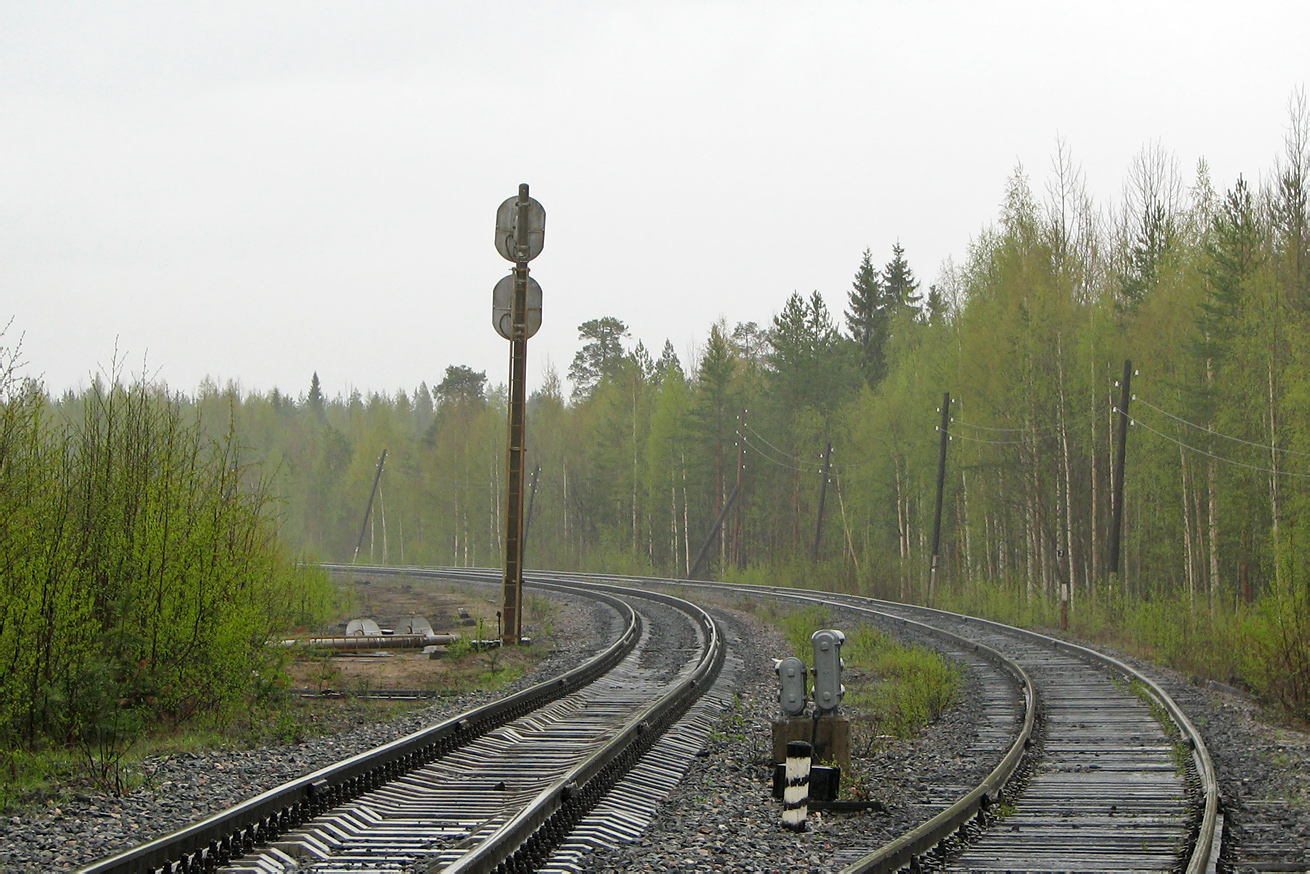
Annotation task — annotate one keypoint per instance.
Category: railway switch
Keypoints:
(792, 675)
(828, 688)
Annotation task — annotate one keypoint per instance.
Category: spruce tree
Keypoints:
(866, 319)
(315, 400)
(898, 282)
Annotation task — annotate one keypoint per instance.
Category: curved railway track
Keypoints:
(1093, 767)
(1117, 778)
(496, 788)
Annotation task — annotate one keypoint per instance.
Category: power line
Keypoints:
(766, 442)
(1055, 426)
(984, 442)
(1211, 431)
(773, 460)
(1199, 451)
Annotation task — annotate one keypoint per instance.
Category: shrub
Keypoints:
(142, 570)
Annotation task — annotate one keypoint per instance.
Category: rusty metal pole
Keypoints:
(516, 446)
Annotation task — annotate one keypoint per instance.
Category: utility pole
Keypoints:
(709, 541)
(944, 428)
(741, 467)
(823, 497)
(368, 510)
(1121, 451)
(527, 518)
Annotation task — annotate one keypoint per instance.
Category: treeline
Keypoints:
(1206, 291)
(141, 569)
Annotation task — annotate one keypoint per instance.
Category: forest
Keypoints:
(815, 438)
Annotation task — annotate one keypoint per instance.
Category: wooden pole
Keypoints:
(941, 488)
(1121, 452)
(823, 496)
(368, 510)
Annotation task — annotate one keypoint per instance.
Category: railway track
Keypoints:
(1115, 778)
(1091, 766)
(497, 788)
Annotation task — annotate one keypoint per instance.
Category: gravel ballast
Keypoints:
(722, 817)
(178, 789)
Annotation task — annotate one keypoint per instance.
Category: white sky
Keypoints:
(255, 191)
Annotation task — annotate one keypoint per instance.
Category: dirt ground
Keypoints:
(391, 600)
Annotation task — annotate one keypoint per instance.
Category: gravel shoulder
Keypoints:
(178, 789)
(722, 817)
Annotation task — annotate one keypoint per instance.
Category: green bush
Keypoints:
(142, 571)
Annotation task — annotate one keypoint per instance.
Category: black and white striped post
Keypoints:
(796, 794)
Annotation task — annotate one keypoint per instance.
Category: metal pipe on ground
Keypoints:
(377, 641)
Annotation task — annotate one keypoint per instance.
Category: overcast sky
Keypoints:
(254, 191)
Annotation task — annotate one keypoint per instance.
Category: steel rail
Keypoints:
(1205, 847)
(905, 849)
(1204, 850)
(527, 839)
(227, 835)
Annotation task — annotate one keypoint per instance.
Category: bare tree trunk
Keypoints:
(1095, 526)
(1275, 489)
(1068, 473)
(1187, 531)
(1212, 489)
(673, 516)
(902, 535)
(1032, 527)
(964, 525)
(1214, 535)
(686, 527)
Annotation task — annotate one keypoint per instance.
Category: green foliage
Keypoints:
(600, 356)
(142, 571)
(799, 625)
(915, 686)
(1208, 293)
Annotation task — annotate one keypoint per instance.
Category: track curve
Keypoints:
(1121, 779)
(587, 728)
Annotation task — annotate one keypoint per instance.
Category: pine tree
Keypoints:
(601, 355)
(668, 363)
(422, 409)
(462, 385)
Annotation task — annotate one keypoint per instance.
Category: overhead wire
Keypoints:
(1263, 446)
(1208, 454)
(1053, 426)
(776, 449)
(954, 436)
(772, 460)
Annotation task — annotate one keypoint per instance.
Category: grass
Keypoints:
(1264, 647)
(911, 685)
